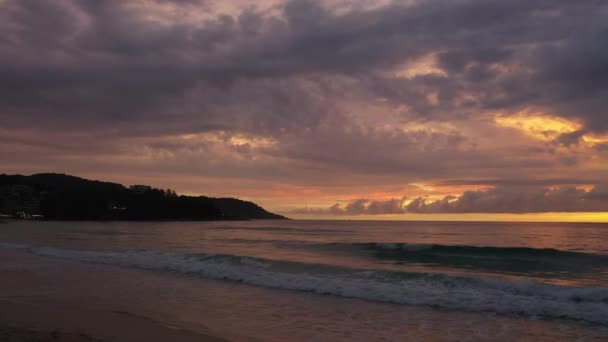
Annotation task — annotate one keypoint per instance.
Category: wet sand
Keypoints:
(30, 312)
(40, 322)
(14, 334)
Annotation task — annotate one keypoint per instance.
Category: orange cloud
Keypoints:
(538, 125)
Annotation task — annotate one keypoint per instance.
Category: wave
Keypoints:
(485, 251)
(500, 296)
(513, 260)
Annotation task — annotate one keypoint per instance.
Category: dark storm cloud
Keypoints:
(108, 60)
(324, 86)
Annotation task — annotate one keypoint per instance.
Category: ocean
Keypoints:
(330, 280)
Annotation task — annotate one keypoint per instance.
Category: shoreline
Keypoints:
(42, 321)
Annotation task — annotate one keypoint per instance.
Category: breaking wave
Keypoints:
(500, 296)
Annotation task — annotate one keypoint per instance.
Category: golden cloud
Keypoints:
(538, 125)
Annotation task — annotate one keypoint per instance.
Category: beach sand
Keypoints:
(40, 322)
(27, 313)
(21, 334)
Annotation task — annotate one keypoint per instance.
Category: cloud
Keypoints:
(504, 200)
(495, 200)
(568, 139)
(351, 96)
(358, 207)
(111, 61)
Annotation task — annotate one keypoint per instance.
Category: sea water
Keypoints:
(339, 280)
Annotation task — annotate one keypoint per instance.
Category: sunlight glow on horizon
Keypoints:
(575, 217)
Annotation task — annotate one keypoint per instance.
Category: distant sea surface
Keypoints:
(340, 280)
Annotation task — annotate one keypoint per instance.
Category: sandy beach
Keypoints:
(40, 322)
(22, 334)
(27, 315)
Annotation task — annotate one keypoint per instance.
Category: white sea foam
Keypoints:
(529, 299)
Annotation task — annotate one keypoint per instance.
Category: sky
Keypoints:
(460, 109)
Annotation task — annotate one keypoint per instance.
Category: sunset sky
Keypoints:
(478, 109)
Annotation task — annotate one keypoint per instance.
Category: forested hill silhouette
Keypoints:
(63, 197)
